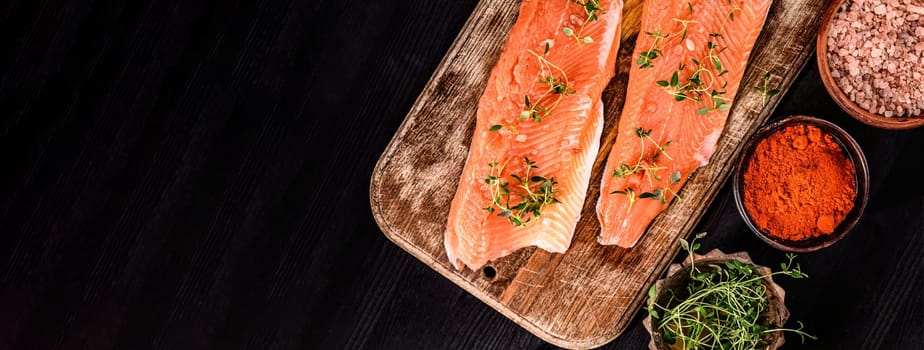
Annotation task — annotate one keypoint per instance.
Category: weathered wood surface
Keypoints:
(587, 296)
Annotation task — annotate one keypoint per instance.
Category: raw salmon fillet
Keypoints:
(556, 62)
(698, 49)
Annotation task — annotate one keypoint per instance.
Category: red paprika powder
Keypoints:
(799, 183)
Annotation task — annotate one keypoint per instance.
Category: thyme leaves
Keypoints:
(650, 169)
(765, 91)
(724, 305)
(533, 192)
(659, 38)
(557, 83)
(592, 11)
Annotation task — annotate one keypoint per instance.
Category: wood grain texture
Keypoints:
(195, 175)
(585, 297)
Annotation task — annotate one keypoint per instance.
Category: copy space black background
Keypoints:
(194, 175)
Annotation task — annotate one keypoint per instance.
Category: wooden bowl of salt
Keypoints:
(872, 68)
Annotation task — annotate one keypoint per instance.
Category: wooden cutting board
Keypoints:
(587, 296)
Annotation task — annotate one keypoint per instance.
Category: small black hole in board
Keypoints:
(488, 272)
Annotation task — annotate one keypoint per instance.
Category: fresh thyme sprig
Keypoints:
(591, 8)
(719, 103)
(593, 11)
(712, 55)
(646, 58)
(646, 135)
(626, 170)
(650, 170)
(659, 194)
(724, 306)
(701, 80)
(534, 193)
(629, 193)
(765, 91)
(535, 109)
(731, 12)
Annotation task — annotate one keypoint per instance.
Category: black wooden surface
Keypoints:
(193, 175)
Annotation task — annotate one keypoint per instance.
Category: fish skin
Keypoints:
(693, 136)
(563, 145)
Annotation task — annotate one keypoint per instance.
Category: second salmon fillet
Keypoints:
(689, 60)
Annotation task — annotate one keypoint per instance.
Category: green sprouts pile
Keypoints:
(724, 306)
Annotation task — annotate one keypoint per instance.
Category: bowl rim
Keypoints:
(861, 173)
(849, 106)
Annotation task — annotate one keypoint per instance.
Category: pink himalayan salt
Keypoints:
(873, 50)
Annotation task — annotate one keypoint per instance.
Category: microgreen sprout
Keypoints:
(702, 81)
(733, 8)
(725, 305)
(534, 193)
(650, 169)
(765, 91)
(593, 11)
(536, 109)
(629, 193)
(646, 58)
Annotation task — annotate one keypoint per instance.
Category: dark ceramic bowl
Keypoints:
(851, 150)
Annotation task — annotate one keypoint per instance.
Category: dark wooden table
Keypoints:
(190, 175)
